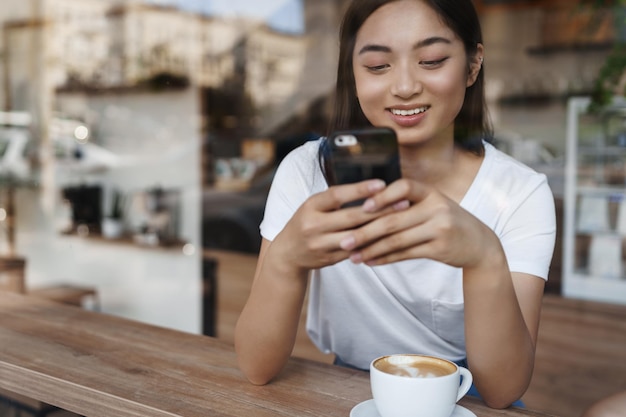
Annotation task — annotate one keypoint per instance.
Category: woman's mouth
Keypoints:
(408, 117)
(410, 112)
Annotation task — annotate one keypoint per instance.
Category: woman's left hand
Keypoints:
(431, 226)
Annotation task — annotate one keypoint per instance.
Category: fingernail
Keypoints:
(347, 243)
(369, 205)
(356, 258)
(376, 185)
(401, 205)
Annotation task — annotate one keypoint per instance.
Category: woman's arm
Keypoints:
(612, 406)
(266, 329)
(501, 323)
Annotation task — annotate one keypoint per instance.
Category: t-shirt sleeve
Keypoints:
(293, 184)
(530, 233)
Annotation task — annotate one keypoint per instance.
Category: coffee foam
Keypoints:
(414, 366)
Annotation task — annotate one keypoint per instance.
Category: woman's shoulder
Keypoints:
(302, 162)
(303, 155)
(502, 171)
(307, 149)
(506, 165)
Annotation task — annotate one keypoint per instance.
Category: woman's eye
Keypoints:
(434, 63)
(377, 68)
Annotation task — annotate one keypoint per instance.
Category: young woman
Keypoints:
(450, 260)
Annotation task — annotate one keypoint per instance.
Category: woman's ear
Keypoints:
(475, 65)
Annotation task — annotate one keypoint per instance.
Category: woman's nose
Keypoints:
(405, 83)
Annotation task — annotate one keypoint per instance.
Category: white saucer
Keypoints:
(368, 409)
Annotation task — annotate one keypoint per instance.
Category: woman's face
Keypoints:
(411, 72)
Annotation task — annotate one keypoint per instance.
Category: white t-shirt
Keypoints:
(415, 306)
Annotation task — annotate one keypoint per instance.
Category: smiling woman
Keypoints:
(442, 261)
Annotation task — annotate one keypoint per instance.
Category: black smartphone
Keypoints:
(358, 155)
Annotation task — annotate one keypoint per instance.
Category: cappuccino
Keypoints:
(414, 366)
(411, 385)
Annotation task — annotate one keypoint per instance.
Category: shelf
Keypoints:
(615, 151)
(129, 240)
(586, 47)
(583, 273)
(594, 207)
(602, 190)
(608, 232)
(596, 289)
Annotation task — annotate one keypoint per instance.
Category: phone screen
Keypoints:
(358, 155)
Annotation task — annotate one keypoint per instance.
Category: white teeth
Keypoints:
(409, 112)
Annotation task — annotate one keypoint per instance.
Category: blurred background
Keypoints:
(138, 139)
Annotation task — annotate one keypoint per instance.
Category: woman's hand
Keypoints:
(311, 237)
(267, 326)
(432, 226)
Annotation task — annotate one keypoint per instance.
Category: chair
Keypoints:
(12, 278)
(12, 270)
(75, 295)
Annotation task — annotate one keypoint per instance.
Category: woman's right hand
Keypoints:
(268, 324)
(311, 237)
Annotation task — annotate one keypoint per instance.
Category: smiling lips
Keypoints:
(397, 112)
(408, 117)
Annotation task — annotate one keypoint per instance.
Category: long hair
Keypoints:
(471, 125)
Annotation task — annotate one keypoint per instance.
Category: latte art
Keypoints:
(415, 366)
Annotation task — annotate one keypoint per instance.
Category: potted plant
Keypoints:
(113, 223)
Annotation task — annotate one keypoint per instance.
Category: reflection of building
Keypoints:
(274, 64)
(536, 52)
(77, 40)
(148, 40)
(117, 43)
(317, 80)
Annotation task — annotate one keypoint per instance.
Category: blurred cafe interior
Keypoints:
(138, 140)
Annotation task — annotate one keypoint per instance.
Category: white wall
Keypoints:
(160, 134)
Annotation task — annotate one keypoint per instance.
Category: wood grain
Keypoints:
(581, 352)
(98, 365)
(581, 355)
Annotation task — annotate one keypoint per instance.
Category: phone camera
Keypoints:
(345, 140)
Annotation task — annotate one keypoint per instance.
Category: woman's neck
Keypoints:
(428, 163)
(446, 167)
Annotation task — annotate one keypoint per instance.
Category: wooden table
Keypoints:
(98, 365)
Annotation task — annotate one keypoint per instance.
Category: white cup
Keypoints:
(410, 385)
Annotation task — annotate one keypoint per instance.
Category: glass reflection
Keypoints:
(201, 99)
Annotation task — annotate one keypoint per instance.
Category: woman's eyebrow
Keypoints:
(374, 48)
(420, 44)
(431, 41)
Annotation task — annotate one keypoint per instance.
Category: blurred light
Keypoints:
(81, 133)
(82, 230)
(189, 249)
(3, 214)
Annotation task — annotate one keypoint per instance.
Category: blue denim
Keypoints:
(472, 391)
